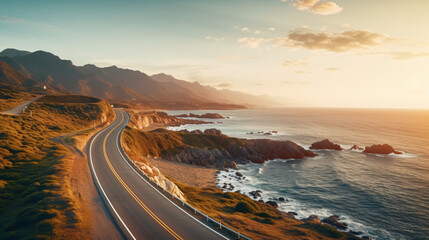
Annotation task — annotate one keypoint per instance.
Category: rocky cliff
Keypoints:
(146, 119)
(209, 149)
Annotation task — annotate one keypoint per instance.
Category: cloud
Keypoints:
(326, 8)
(294, 82)
(217, 39)
(11, 20)
(332, 42)
(301, 72)
(237, 57)
(317, 7)
(253, 42)
(332, 69)
(404, 55)
(305, 4)
(245, 29)
(271, 29)
(296, 63)
(257, 32)
(225, 85)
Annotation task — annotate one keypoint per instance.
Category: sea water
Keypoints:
(385, 197)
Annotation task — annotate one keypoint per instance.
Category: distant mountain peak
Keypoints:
(12, 52)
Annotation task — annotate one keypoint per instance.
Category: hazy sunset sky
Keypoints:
(340, 53)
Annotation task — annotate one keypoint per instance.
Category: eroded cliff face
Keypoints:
(156, 176)
(153, 173)
(144, 120)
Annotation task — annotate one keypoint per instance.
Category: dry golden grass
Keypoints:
(238, 211)
(36, 201)
(10, 98)
(254, 219)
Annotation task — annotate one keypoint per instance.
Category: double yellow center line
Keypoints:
(156, 218)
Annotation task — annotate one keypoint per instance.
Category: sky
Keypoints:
(321, 53)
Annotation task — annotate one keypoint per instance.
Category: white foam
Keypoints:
(249, 184)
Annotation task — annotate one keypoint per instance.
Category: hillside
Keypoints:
(40, 68)
(37, 200)
(212, 94)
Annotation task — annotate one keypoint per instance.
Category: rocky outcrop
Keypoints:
(326, 144)
(381, 149)
(312, 219)
(205, 157)
(155, 175)
(272, 203)
(255, 150)
(255, 194)
(213, 131)
(144, 120)
(356, 147)
(260, 150)
(334, 221)
(205, 115)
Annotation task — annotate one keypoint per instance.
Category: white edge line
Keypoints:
(117, 145)
(99, 184)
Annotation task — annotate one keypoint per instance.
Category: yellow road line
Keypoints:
(159, 221)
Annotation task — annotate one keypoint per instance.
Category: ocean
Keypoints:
(384, 197)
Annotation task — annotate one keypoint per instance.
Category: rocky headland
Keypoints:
(143, 120)
(210, 148)
(205, 115)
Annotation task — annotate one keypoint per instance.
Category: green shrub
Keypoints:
(244, 207)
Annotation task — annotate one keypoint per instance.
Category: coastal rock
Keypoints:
(143, 120)
(293, 213)
(260, 150)
(312, 219)
(366, 238)
(334, 221)
(326, 144)
(282, 199)
(356, 147)
(238, 151)
(205, 115)
(238, 174)
(204, 157)
(272, 203)
(255, 194)
(288, 215)
(381, 149)
(213, 131)
(197, 132)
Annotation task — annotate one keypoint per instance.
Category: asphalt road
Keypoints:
(18, 110)
(139, 210)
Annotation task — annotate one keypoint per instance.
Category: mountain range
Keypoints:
(35, 69)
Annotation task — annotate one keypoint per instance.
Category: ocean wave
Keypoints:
(248, 184)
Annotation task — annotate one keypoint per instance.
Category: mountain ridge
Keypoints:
(118, 84)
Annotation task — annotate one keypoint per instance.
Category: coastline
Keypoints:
(199, 178)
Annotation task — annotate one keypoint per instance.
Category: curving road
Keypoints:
(138, 209)
(20, 109)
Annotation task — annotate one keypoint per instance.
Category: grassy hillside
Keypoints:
(10, 98)
(254, 219)
(35, 198)
(159, 142)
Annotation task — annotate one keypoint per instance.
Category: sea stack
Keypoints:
(381, 149)
(325, 144)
